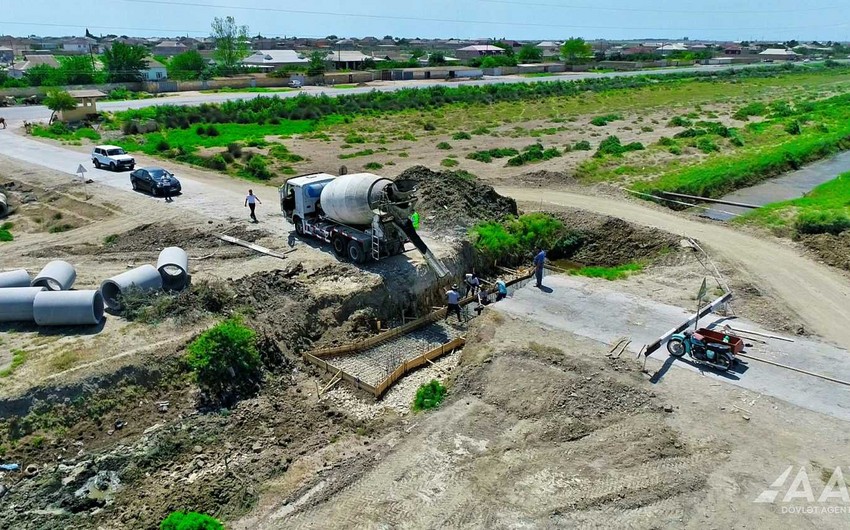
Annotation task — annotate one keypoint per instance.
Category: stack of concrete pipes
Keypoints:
(48, 300)
(4, 206)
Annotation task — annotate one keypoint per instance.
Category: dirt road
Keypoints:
(817, 294)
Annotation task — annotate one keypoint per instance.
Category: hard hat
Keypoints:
(454, 286)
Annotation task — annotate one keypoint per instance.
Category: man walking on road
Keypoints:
(453, 299)
(539, 261)
(251, 202)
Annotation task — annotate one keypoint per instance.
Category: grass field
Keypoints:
(189, 139)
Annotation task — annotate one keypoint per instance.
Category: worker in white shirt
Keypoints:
(251, 202)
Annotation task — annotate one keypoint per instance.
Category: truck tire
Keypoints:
(356, 252)
(96, 163)
(338, 244)
(299, 226)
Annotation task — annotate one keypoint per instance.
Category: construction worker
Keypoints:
(483, 300)
(251, 202)
(414, 219)
(539, 261)
(472, 283)
(453, 300)
(501, 289)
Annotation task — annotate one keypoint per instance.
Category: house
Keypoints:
(7, 55)
(733, 49)
(86, 105)
(169, 48)
(154, 70)
(671, 48)
(778, 54)
(79, 45)
(349, 60)
(19, 69)
(274, 59)
(478, 50)
(548, 45)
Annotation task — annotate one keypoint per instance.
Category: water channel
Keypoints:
(789, 186)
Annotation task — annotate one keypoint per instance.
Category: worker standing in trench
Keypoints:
(453, 301)
(539, 261)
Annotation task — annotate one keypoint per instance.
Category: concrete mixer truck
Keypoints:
(362, 216)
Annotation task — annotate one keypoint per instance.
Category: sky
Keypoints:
(804, 20)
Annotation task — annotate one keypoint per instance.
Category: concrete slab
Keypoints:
(589, 309)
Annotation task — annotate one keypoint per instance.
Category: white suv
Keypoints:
(113, 157)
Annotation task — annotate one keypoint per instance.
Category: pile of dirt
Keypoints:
(609, 241)
(543, 178)
(161, 235)
(452, 199)
(831, 249)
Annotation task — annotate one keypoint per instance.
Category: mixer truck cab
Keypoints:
(363, 216)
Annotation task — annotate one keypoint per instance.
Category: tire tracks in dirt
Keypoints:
(819, 296)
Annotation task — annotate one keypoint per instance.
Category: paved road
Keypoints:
(40, 112)
(586, 309)
(819, 295)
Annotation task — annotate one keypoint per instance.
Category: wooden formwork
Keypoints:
(317, 357)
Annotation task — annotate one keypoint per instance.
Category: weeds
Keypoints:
(429, 396)
(489, 155)
(364, 152)
(461, 136)
(601, 121)
(582, 145)
(19, 357)
(609, 273)
(373, 166)
(449, 162)
(445, 146)
(612, 146)
(533, 153)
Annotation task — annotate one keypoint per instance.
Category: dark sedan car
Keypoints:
(156, 180)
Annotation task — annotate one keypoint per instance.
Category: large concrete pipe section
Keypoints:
(16, 303)
(57, 275)
(4, 206)
(352, 199)
(145, 278)
(173, 267)
(15, 278)
(67, 308)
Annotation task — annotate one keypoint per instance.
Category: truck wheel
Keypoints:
(299, 226)
(96, 163)
(355, 252)
(112, 166)
(339, 245)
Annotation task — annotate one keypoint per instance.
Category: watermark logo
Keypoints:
(799, 496)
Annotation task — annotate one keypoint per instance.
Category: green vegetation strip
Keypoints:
(6, 232)
(825, 209)
(609, 273)
(18, 358)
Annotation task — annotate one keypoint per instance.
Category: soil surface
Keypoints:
(830, 249)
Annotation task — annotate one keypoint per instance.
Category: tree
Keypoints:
(186, 66)
(530, 54)
(575, 49)
(316, 64)
(124, 62)
(508, 47)
(231, 43)
(436, 59)
(58, 101)
(78, 70)
(225, 359)
(45, 75)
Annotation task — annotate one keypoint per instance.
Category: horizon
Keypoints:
(745, 20)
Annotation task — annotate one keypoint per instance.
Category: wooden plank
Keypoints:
(253, 246)
(416, 362)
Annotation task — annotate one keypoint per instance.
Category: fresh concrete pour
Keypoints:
(589, 310)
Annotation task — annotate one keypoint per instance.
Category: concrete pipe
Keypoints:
(16, 303)
(4, 205)
(15, 278)
(57, 275)
(173, 266)
(68, 308)
(146, 278)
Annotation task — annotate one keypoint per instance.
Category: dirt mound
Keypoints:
(608, 241)
(831, 249)
(160, 235)
(545, 178)
(450, 199)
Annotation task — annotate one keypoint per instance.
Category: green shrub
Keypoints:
(646, 129)
(489, 155)
(429, 126)
(521, 236)
(533, 153)
(281, 152)
(690, 133)
(6, 235)
(110, 239)
(582, 145)
(823, 222)
(163, 145)
(751, 109)
(736, 141)
(352, 138)
(706, 145)
(216, 162)
(445, 146)
(675, 150)
(666, 142)
(373, 165)
(228, 158)
(612, 146)
(257, 168)
(429, 396)
(794, 127)
(190, 521)
(234, 149)
(449, 162)
(679, 121)
(225, 360)
(609, 273)
(461, 136)
(364, 152)
(212, 131)
(601, 121)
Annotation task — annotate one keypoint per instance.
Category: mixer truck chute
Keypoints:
(362, 216)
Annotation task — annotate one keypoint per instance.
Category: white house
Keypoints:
(78, 45)
(154, 70)
(272, 59)
(778, 54)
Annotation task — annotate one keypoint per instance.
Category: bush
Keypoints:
(666, 142)
(444, 146)
(228, 158)
(706, 145)
(429, 396)
(794, 128)
(6, 235)
(225, 360)
(216, 162)
(489, 155)
(234, 149)
(600, 121)
(429, 126)
(680, 121)
(449, 162)
(582, 145)
(829, 222)
(533, 153)
(461, 136)
(736, 141)
(690, 133)
(190, 521)
(352, 138)
(373, 165)
(612, 146)
(519, 237)
(257, 168)
(675, 150)
(752, 109)
(163, 145)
